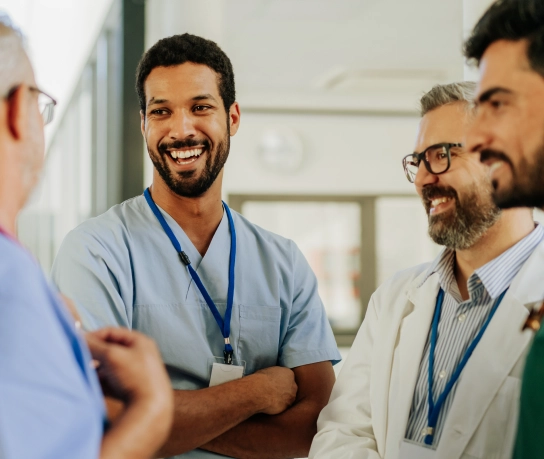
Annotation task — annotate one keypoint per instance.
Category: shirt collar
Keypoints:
(440, 265)
(495, 276)
(498, 274)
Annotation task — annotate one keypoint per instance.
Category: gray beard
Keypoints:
(462, 227)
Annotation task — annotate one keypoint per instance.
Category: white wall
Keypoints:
(342, 155)
(60, 35)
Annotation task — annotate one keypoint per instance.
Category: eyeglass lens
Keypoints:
(46, 107)
(437, 159)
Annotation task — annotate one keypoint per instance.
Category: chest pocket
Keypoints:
(259, 342)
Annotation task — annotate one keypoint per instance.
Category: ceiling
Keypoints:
(342, 46)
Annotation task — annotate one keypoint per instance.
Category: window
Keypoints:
(352, 243)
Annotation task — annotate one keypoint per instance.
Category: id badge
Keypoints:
(413, 450)
(221, 373)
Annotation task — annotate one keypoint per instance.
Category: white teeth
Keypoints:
(179, 154)
(496, 165)
(437, 201)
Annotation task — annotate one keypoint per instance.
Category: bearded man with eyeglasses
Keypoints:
(435, 369)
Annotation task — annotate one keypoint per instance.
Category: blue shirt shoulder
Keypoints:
(50, 401)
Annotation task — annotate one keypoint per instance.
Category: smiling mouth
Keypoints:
(438, 204)
(186, 156)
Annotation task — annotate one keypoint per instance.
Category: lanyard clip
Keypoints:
(184, 258)
(228, 353)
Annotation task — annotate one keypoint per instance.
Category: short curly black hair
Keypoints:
(511, 20)
(177, 50)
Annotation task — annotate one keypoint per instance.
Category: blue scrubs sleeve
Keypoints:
(309, 337)
(91, 272)
(48, 405)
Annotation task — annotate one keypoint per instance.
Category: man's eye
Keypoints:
(158, 111)
(200, 108)
(496, 103)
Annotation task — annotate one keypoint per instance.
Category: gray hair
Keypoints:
(15, 68)
(444, 94)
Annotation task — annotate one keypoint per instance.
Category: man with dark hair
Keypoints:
(508, 45)
(217, 292)
(435, 368)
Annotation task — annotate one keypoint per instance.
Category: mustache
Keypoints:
(178, 144)
(495, 154)
(431, 192)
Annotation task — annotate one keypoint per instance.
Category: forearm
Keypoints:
(201, 415)
(286, 435)
(137, 433)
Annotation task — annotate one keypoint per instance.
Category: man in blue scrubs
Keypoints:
(203, 281)
(51, 405)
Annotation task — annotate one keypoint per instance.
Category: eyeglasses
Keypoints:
(437, 160)
(46, 104)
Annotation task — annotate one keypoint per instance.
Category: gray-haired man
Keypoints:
(51, 405)
(453, 324)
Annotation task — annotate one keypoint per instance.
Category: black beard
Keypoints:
(462, 227)
(527, 187)
(185, 183)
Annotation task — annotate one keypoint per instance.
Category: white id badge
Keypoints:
(413, 450)
(221, 373)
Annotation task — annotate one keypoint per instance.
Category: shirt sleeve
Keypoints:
(309, 337)
(47, 408)
(88, 272)
(344, 427)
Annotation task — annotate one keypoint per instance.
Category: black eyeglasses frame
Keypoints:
(422, 157)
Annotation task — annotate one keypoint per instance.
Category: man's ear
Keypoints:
(234, 118)
(17, 112)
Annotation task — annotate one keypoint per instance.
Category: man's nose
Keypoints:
(477, 137)
(182, 125)
(424, 177)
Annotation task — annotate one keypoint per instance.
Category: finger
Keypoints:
(117, 335)
(97, 346)
(70, 305)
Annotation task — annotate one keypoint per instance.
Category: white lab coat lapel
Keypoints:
(493, 359)
(413, 333)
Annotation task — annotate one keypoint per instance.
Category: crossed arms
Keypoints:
(264, 415)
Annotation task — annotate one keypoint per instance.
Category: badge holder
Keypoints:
(221, 373)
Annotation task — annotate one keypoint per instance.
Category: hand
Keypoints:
(130, 367)
(278, 387)
(70, 305)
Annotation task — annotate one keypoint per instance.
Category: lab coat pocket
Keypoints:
(259, 336)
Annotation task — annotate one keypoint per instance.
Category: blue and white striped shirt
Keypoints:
(460, 322)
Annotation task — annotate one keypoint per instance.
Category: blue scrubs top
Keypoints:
(51, 405)
(123, 270)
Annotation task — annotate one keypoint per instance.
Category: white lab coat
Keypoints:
(368, 411)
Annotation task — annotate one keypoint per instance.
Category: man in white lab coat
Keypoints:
(453, 324)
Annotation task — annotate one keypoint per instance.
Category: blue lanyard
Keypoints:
(434, 408)
(224, 325)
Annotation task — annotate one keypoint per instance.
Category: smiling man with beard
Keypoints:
(508, 133)
(453, 324)
(216, 292)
